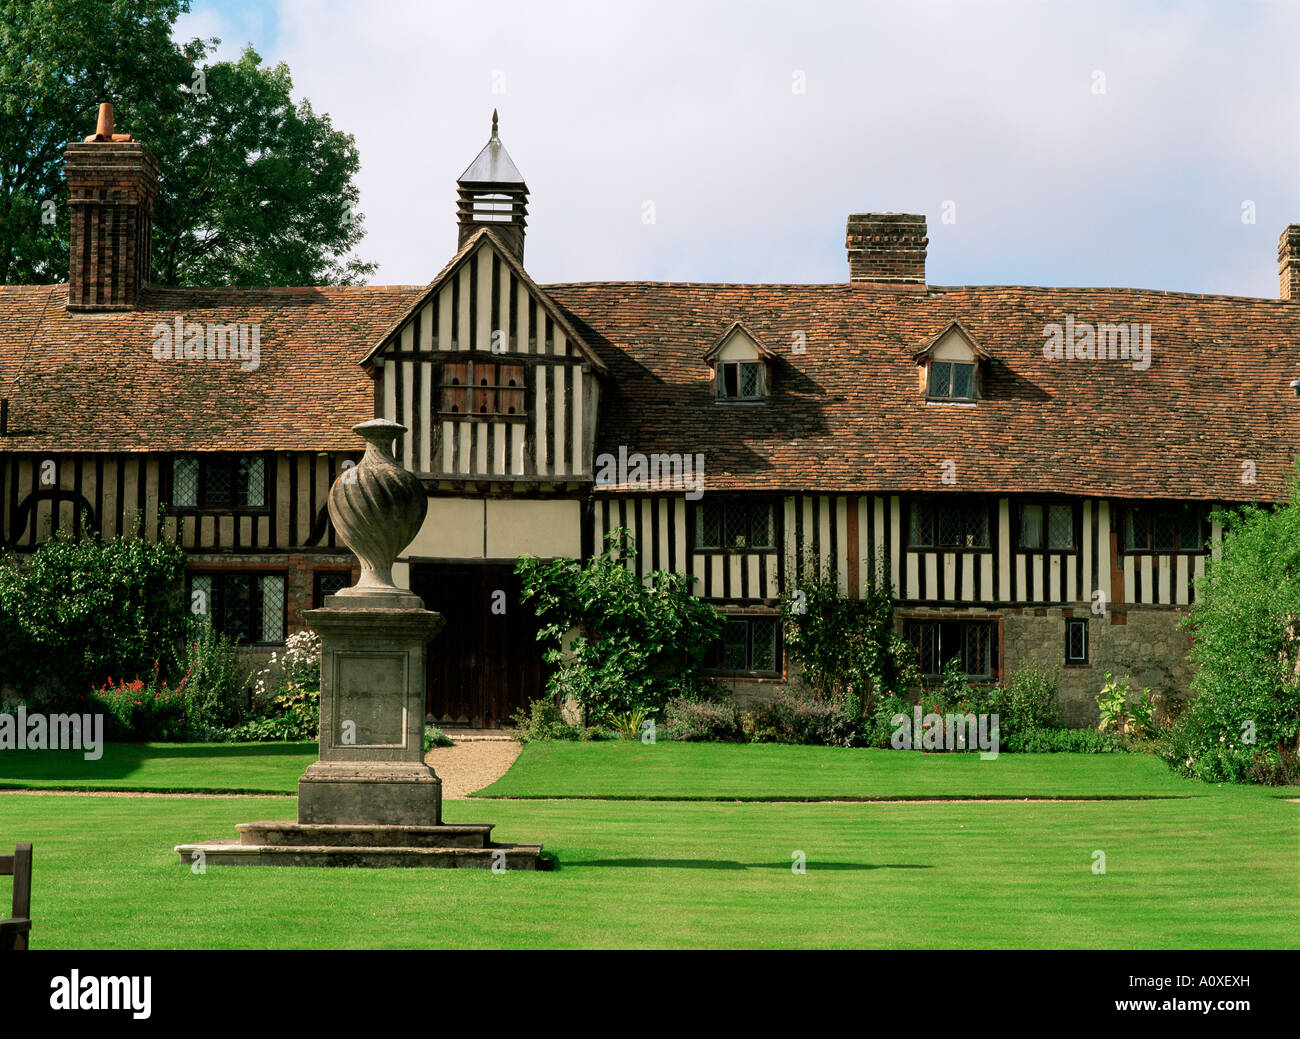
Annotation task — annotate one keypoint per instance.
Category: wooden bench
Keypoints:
(14, 931)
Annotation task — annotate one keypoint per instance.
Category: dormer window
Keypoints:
(950, 364)
(951, 380)
(741, 366)
(740, 380)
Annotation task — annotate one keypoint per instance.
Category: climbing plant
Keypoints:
(846, 646)
(618, 643)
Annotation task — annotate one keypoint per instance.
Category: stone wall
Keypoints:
(746, 692)
(1144, 642)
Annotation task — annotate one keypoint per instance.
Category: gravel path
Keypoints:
(466, 767)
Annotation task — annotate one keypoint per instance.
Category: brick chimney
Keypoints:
(1288, 263)
(887, 247)
(112, 184)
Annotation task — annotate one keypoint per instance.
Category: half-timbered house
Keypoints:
(1033, 470)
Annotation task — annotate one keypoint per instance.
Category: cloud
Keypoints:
(1103, 144)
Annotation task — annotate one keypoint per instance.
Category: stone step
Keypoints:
(279, 833)
(232, 853)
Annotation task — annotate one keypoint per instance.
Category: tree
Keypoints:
(1244, 720)
(261, 190)
(254, 190)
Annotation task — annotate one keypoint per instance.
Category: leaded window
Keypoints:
(978, 641)
(938, 642)
(748, 645)
(949, 524)
(1060, 526)
(739, 380)
(1172, 528)
(951, 380)
(249, 608)
(327, 583)
(737, 524)
(185, 482)
(1047, 526)
(250, 486)
(228, 482)
(1076, 641)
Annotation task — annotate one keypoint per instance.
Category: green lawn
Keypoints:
(232, 768)
(1209, 867)
(747, 771)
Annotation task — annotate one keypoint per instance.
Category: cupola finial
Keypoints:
(492, 193)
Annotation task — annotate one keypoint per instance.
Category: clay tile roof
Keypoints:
(90, 382)
(845, 415)
(848, 415)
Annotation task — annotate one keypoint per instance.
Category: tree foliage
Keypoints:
(254, 189)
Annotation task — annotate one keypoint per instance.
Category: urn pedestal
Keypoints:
(371, 769)
(370, 800)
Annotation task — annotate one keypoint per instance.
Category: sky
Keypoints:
(1148, 145)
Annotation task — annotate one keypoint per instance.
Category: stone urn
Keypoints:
(377, 507)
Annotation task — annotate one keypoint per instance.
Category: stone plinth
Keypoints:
(371, 769)
(277, 843)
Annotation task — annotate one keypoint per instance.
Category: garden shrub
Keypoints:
(542, 720)
(1274, 767)
(74, 612)
(628, 726)
(846, 647)
(878, 727)
(791, 718)
(1120, 712)
(1243, 723)
(1027, 711)
(701, 721)
(954, 692)
(639, 643)
(293, 715)
(1061, 741)
(435, 737)
(1031, 704)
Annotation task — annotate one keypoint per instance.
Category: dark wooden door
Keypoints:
(485, 664)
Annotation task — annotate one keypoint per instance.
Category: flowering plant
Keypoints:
(286, 693)
(138, 711)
